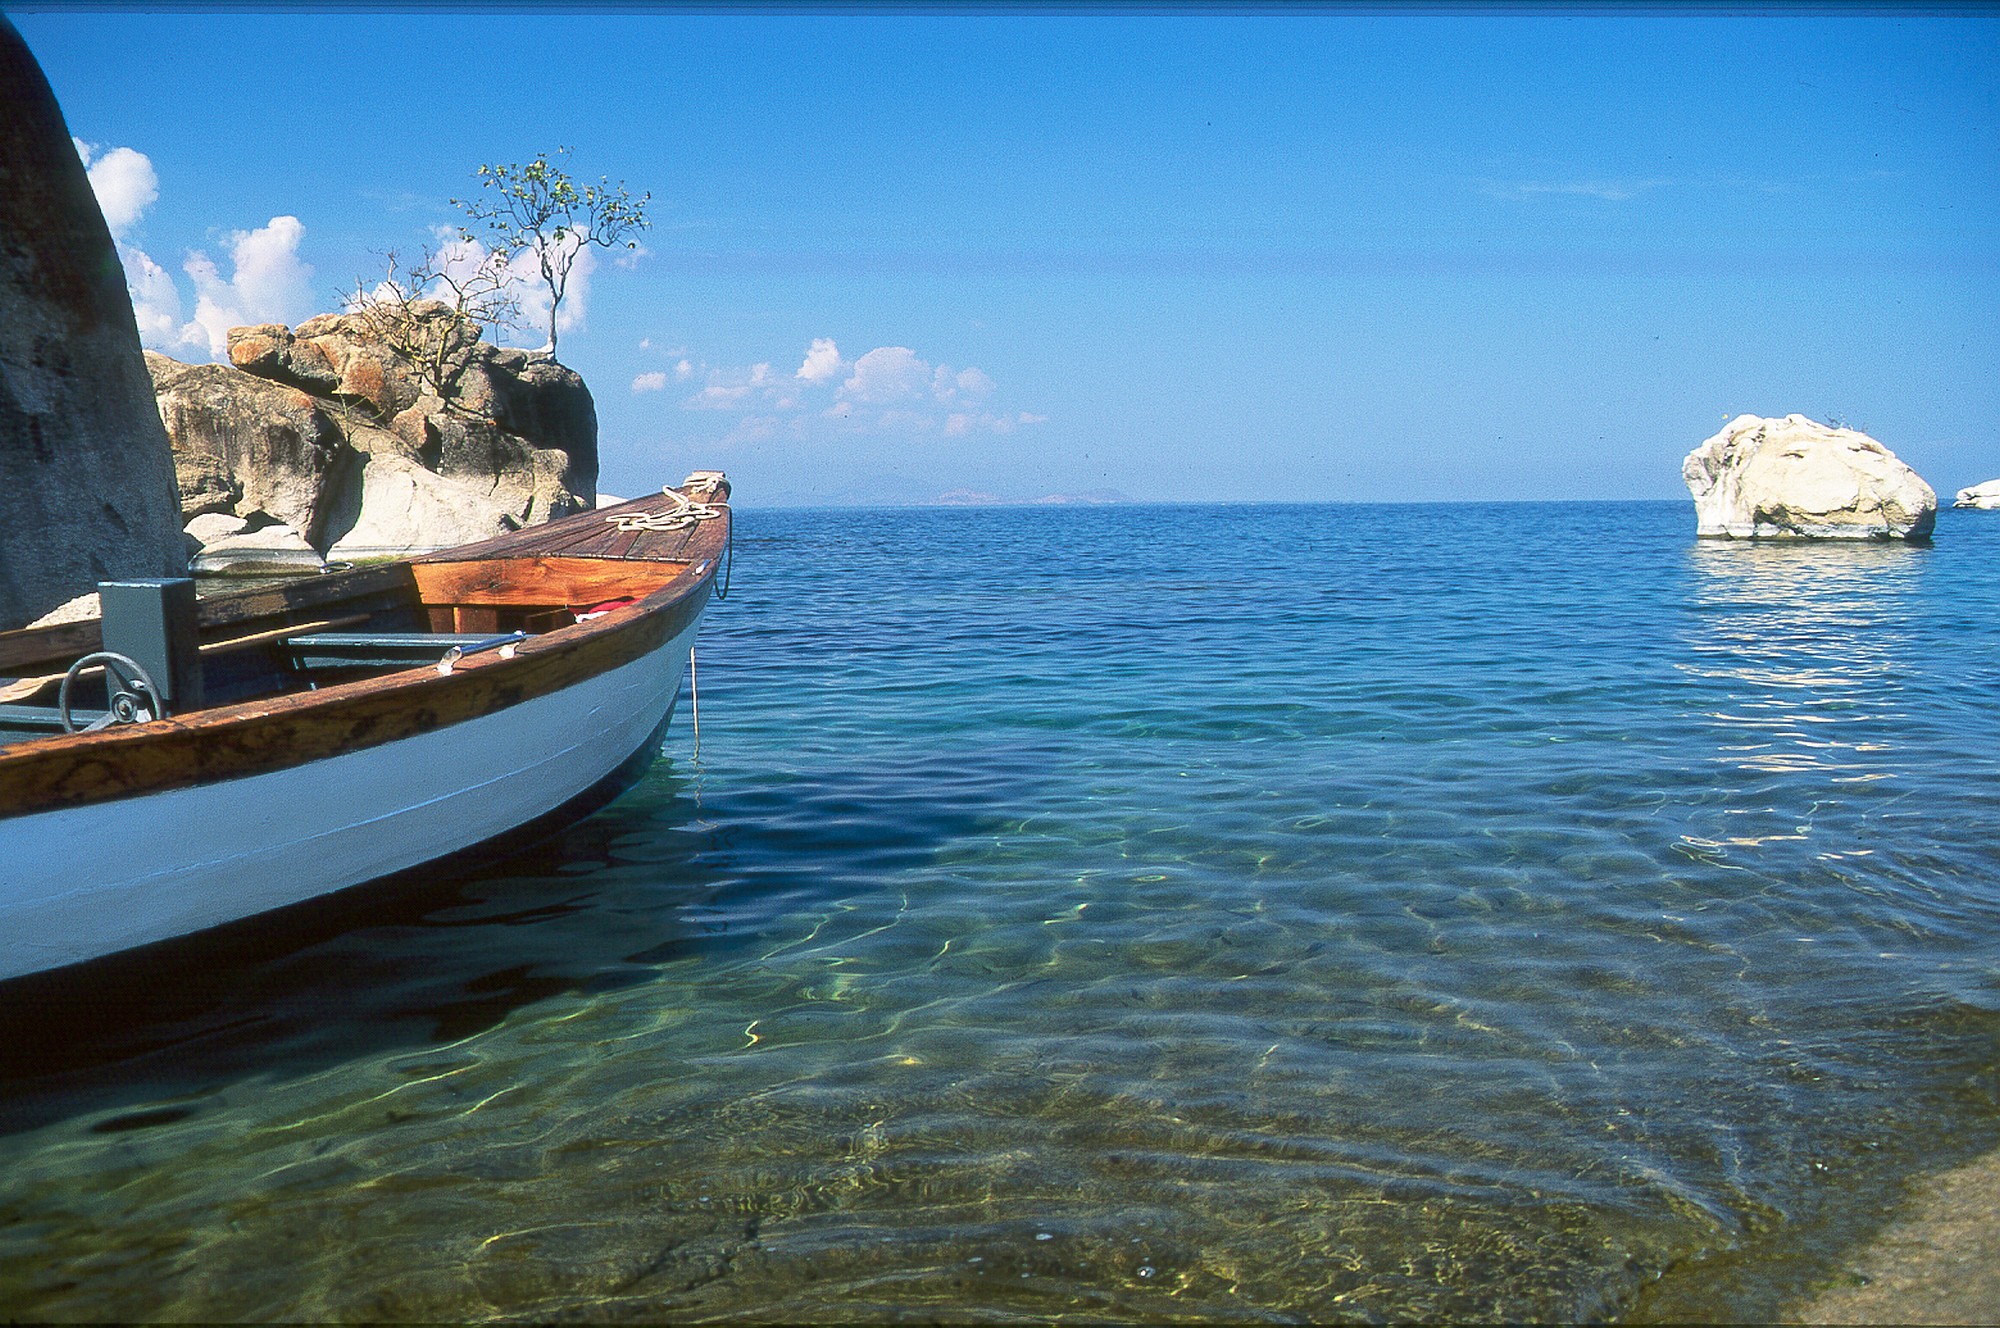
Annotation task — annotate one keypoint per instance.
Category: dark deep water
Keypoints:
(1301, 913)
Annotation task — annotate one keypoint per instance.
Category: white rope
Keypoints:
(684, 514)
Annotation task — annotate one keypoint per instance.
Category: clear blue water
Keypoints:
(1292, 913)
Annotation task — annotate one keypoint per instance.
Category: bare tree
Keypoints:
(432, 312)
(537, 209)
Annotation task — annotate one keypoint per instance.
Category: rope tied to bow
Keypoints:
(683, 514)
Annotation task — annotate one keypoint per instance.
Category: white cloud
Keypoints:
(269, 283)
(822, 361)
(960, 423)
(650, 382)
(889, 390)
(1612, 191)
(125, 185)
(754, 429)
(729, 389)
(970, 384)
(524, 281)
(124, 182)
(717, 396)
(725, 390)
(156, 305)
(888, 374)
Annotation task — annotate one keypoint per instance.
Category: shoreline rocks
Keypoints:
(1795, 478)
(324, 440)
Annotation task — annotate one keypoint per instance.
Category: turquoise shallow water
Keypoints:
(1301, 913)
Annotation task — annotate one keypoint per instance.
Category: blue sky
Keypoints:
(1199, 256)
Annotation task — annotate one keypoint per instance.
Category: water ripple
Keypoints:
(1515, 912)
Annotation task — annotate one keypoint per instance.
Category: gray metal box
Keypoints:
(152, 620)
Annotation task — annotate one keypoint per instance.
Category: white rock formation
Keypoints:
(1979, 495)
(1763, 478)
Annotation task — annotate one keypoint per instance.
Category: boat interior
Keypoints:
(158, 648)
(161, 647)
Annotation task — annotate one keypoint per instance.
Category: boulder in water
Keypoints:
(1792, 477)
(1985, 495)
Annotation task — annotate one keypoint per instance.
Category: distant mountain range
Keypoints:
(973, 498)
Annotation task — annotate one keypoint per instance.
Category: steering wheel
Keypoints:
(133, 697)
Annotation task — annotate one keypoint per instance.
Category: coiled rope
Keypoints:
(684, 514)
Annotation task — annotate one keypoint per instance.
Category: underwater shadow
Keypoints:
(437, 954)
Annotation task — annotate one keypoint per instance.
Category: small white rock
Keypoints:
(1985, 495)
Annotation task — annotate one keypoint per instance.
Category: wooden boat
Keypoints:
(270, 745)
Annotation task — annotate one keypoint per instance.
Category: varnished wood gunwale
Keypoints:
(591, 535)
(251, 737)
(540, 580)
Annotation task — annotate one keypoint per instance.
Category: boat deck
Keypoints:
(266, 641)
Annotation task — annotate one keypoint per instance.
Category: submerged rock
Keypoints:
(1985, 495)
(1792, 477)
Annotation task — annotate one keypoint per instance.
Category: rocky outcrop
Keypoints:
(331, 433)
(1985, 495)
(1770, 478)
(244, 445)
(86, 477)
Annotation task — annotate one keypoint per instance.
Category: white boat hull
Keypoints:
(81, 882)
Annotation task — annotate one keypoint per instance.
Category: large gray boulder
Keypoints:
(1794, 478)
(329, 430)
(87, 488)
